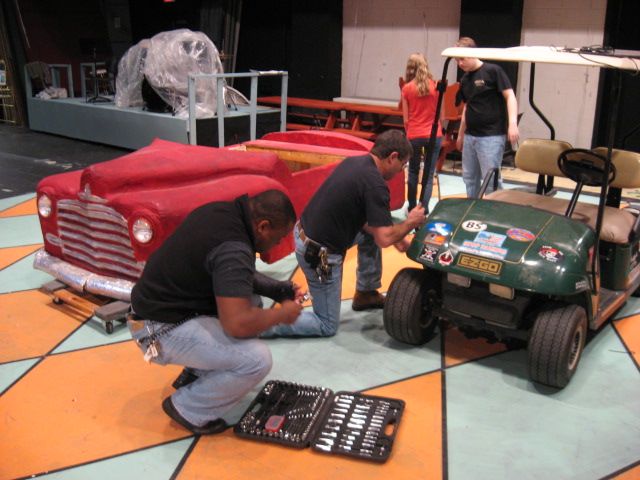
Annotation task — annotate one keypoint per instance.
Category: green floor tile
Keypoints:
(150, 464)
(10, 372)
(17, 231)
(501, 425)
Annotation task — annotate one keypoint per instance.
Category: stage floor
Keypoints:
(79, 403)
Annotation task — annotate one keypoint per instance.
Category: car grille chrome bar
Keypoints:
(96, 235)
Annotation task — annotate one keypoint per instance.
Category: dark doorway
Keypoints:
(621, 32)
(493, 23)
(302, 37)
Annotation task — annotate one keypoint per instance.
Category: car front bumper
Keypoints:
(83, 280)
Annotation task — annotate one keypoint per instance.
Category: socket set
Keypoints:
(285, 413)
(347, 423)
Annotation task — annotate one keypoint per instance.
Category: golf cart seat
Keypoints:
(541, 156)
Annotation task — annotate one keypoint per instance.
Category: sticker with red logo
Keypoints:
(551, 254)
(520, 235)
(445, 258)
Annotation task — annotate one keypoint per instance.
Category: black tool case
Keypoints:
(347, 423)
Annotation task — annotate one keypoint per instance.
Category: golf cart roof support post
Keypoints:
(544, 186)
(532, 76)
(442, 86)
(616, 88)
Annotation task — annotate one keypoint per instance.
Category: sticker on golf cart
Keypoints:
(582, 285)
(435, 238)
(483, 250)
(551, 254)
(439, 227)
(520, 235)
(428, 253)
(490, 238)
(473, 226)
(480, 264)
(446, 258)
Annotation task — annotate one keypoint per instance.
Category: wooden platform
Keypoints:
(135, 128)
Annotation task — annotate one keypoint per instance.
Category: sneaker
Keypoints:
(214, 426)
(185, 378)
(367, 299)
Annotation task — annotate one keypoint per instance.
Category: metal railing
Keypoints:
(220, 107)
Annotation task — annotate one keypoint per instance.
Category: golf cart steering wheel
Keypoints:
(586, 167)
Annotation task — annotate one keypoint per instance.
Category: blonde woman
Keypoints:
(419, 100)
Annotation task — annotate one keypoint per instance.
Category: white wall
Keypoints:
(566, 95)
(379, 35)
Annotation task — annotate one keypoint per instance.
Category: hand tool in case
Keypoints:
(346, 423)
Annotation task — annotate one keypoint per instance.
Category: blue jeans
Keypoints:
(326, 296)
(479, 155)
(227, 367)
(414, 170)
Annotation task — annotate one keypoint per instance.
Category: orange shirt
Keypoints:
(422, 110)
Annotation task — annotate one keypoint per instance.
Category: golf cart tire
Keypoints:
(556, 344)
(407, 317)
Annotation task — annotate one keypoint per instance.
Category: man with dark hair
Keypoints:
(196, 305)
(490, 116)
(351, 206)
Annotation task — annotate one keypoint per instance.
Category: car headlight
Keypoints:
(44, 206)
(142, 230)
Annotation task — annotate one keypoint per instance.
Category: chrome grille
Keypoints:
(95, 234)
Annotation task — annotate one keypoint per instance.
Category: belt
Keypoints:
(301, 234)
(304, 238)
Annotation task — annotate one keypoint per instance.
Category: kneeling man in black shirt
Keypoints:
(194, 305)
(351, 206)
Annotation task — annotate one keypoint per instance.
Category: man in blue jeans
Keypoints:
(488, 119)
(195, 305)
(350, 207)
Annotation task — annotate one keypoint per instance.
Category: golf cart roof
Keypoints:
(546, 54)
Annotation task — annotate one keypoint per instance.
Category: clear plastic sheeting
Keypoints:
(167, 60)
(130, 76)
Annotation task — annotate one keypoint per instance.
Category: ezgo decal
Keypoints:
(446, 258)
(478, 263)
(439, 227)
(473, 226)
(551, 254)
(520, 235)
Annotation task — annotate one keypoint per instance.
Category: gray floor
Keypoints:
(26, 157)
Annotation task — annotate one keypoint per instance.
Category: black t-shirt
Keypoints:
(486, 112)
(212, 253)
(354, 194)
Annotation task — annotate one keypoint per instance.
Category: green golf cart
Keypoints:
(524, 267)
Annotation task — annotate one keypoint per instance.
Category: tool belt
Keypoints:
(316, 255)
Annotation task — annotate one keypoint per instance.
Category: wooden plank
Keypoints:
(332, 106)
(82, 305)
(296, 159)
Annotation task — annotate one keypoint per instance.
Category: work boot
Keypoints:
(185, 378)
(214, 426)
(367, 299)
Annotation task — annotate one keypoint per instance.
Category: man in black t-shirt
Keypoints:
(194, 305)
(351, 206)
(489, 117)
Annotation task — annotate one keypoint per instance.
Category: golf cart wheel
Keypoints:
(556, 344)
(407, 314)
